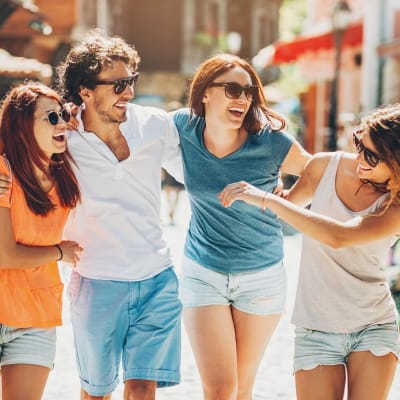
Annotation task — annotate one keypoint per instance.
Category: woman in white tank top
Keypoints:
(346, 320)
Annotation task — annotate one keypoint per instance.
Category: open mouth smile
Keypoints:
(59, 138)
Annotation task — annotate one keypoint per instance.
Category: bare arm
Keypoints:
(359, 230)
(15, 255)
(303, 190)
(295, 160)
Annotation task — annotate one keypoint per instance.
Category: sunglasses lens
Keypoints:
(251, 92)
(52, 116)
(370, 158)
(120, 86)
(233, 90)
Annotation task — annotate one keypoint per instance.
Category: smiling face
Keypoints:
(50, 138)
(109, 107)
(381, 173)
(219, 107)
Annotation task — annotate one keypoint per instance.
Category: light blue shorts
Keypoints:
(314, 348)
(137, 322)
(27, 346)
(261, 292)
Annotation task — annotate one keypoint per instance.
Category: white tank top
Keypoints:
(342, 290)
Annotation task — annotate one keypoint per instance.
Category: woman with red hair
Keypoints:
(42, 189)
(233, 281)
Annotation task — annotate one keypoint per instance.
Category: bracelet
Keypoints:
(61, 252)
(263, 207)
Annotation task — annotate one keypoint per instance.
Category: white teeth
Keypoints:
(236, 109)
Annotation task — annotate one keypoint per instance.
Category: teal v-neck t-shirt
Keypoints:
(240, 238)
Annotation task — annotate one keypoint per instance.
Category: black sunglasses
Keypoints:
(371, 158)
(121, 84)
(54, 117)
(233, 90)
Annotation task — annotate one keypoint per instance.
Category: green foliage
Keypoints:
(204, 39)
(292, 16)
(290, 82)
(211, 42)
(291, 19)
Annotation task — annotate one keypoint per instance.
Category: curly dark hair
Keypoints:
(86, 60)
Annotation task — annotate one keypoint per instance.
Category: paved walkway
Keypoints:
(275, 380)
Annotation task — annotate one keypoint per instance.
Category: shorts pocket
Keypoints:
(170, 280)
(303, 333)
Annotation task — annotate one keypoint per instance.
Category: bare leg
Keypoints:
(139, 389)
(86, 396)
(370, 377)
(325, 382)
(212, 336)
(23, 381)
(253, 332)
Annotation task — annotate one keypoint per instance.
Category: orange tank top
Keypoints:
(31, 297)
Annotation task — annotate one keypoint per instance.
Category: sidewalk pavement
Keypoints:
(274, 381)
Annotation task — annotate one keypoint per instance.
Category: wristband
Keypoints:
(61, 252)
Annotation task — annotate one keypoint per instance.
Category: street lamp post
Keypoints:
(340, 20)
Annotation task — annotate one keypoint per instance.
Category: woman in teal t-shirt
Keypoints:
(233, 284)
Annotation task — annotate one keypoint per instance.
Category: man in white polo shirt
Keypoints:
(124, 292)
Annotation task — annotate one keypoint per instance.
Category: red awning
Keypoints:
(286, 52)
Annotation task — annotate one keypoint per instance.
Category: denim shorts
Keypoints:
(314, 348)
(262, 292)
(136, 322)
(27, 346)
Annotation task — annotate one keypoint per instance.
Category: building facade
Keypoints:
(174, 36)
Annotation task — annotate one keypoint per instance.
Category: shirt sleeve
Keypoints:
(172, 160)
(283, 141)
(5, 200)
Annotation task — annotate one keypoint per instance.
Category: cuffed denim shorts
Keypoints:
(262, 292)
(314, 348)
(27, 346)
(137, 322)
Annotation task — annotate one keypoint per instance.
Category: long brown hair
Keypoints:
(18, 143)
(215, 66)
